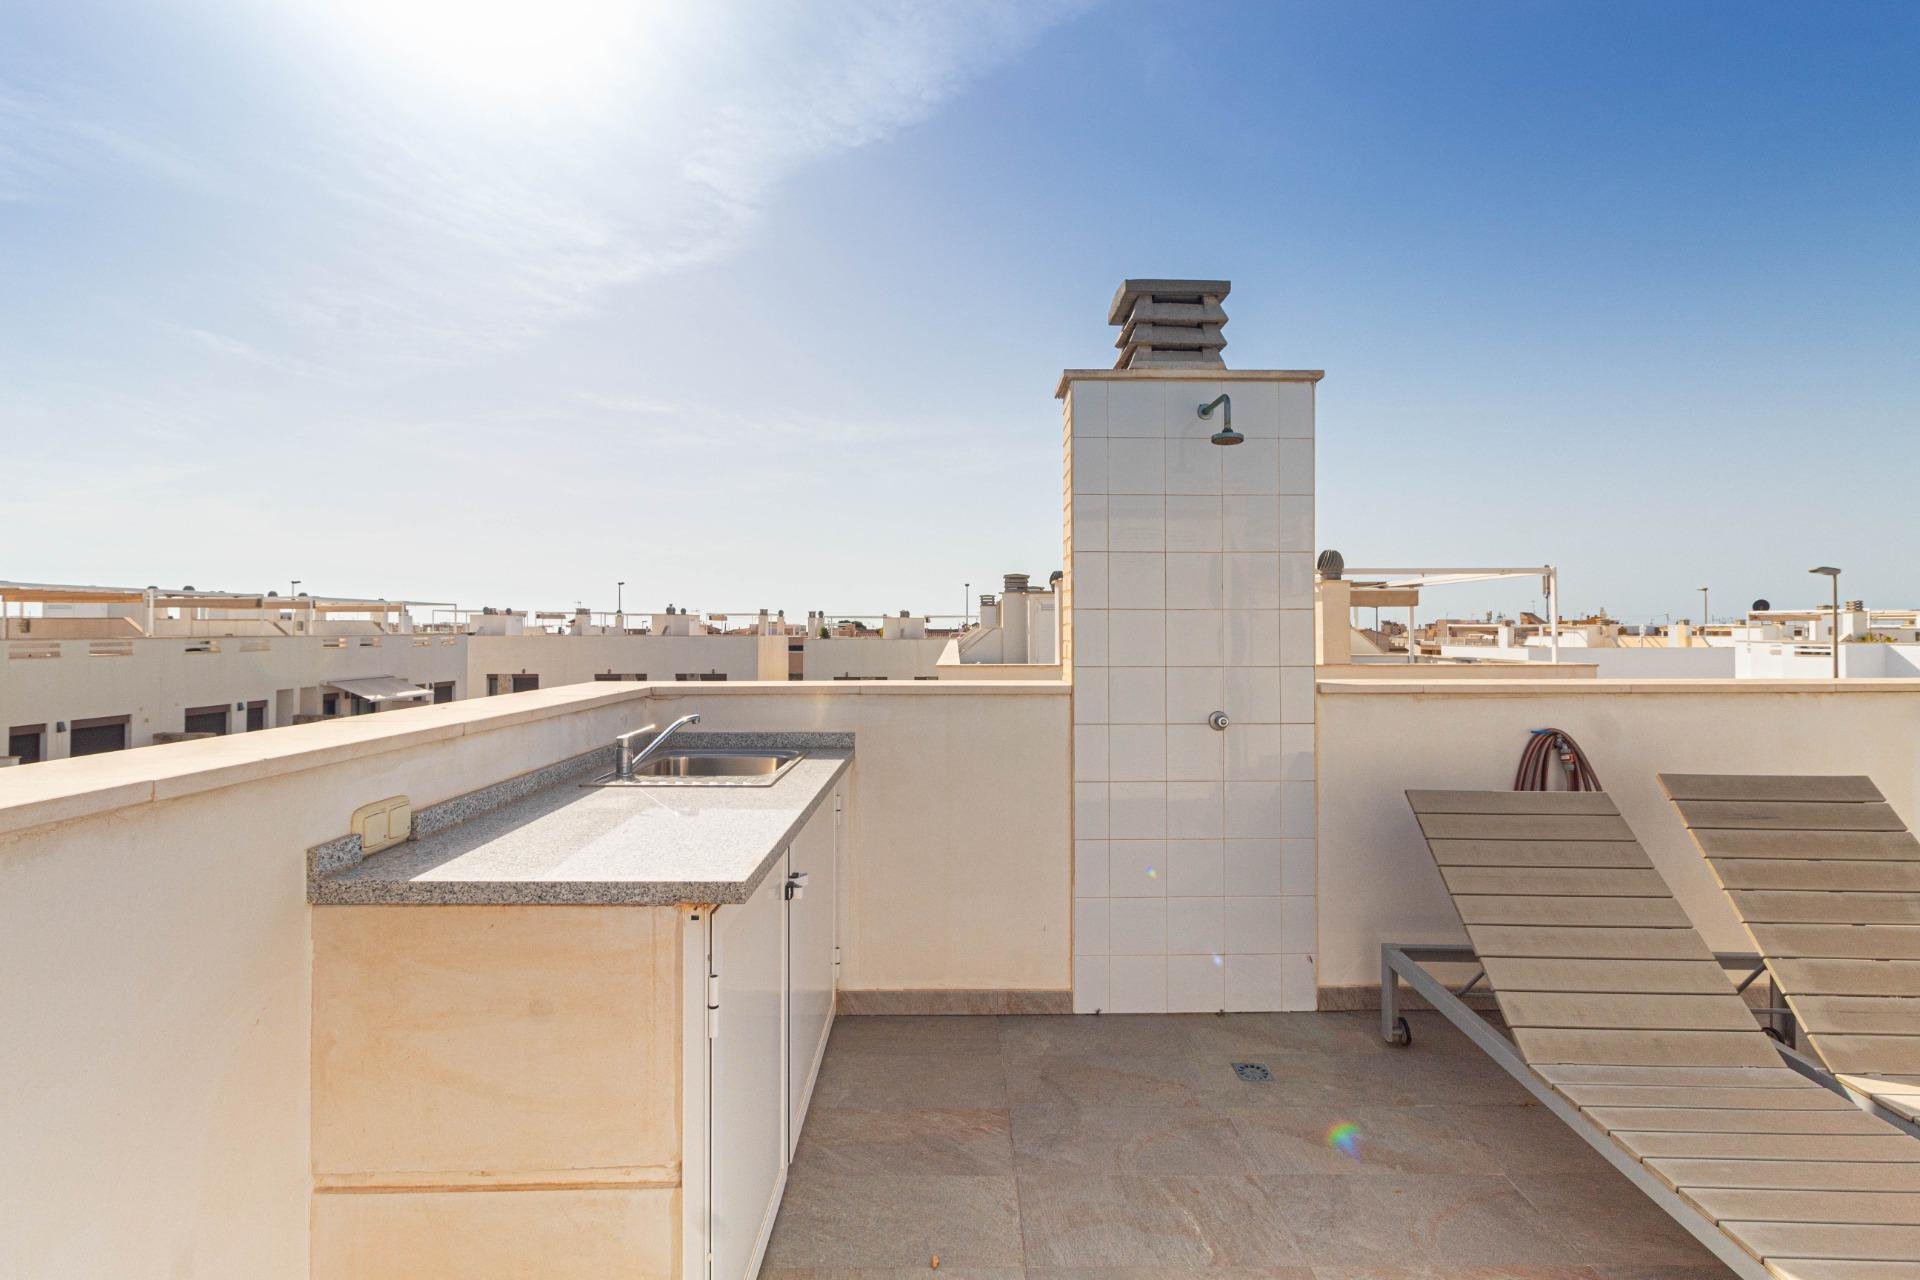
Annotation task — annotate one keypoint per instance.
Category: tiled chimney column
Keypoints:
(1189, 591)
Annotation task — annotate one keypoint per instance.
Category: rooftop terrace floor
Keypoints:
(1126, 1146)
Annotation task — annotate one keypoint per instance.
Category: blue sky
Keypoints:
(764, 304)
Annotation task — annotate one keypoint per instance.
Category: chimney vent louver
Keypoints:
(1169, 323)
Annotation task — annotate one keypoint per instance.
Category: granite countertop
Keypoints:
(546, 839)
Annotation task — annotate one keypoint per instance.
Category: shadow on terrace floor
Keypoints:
(1125, 1146)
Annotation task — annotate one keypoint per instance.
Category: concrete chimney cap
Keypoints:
(1131, 291)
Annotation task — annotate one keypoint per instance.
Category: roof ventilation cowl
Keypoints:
(1169, 323)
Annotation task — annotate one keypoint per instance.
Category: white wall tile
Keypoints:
(1253, 810)
(1136, 408)
(1137, 752)
(1194, 580)
(1195, 753)
(1298, 986)
(1136, 522)
(1196, 868)
(1139, 695)
(1253, 983)
(1296, 523)
(1194, 926)
(1296, 637)
(1253, 467)
(1137, 926)
(1296, 466)
(1253, 925)
(1089, 464)
(1138, 638)
(1196, 810)
(1193, 466)
(1089, 523)
(1090, 927)
(1296, 752)
(1137, 810)
(1193, 522)
(1086, 408)
(1253, 637)
(1253, 752)
(1090, 701)
(1193, 694)
(1090, 753)
(1297, 925)
(1296, 580)
(1196, 984)
(1256, 407)
(1136, 580)
(1135, 466)
(1296, 811)
(1090, 576)
(1296, 695)
(1250, 522)
(1253, 695)
(1137, 868)
(1195, 638)
(1298, 871)
(1089, 638)
(1089, 868)
(1253, 868)
(1089, 983)
(1296, 409)
(1137, 984)
(1090, 810)
(1252, 580)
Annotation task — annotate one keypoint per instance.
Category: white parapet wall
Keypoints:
(1379, 738)
(155, 937)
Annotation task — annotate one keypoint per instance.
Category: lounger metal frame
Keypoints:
(1404, 961)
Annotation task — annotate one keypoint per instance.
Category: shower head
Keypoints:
(1226, 434)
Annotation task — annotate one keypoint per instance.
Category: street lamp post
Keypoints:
(1833, 635)
(620, 599)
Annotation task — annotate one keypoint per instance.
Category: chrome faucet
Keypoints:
(631, 760)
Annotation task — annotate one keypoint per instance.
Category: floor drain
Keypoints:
(1253, 1072)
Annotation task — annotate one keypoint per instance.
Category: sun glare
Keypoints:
(554, 48)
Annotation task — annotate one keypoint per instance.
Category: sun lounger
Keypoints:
(1826, 877)
(1626, 1027)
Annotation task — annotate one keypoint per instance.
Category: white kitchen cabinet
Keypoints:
(813, 895)
(766, 971)
(747, 1100)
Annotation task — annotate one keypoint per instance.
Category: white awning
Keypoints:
(380, 689)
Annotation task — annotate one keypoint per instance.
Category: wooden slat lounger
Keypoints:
(1826, 877)
(1626, 1027)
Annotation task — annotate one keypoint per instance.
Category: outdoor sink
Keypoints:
(694, 767)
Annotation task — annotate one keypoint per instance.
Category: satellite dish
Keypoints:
(1761, 606)
(1331, 565)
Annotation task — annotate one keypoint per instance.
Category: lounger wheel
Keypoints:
(1402, 1033)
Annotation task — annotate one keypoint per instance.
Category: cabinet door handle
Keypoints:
(796, 884)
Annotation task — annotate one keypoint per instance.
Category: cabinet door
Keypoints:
(747, 1077)
(812, 896)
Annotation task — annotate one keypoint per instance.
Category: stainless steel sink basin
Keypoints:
(695, 767)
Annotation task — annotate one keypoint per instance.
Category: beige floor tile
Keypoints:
(957, 1034)
(1112, 1080)
(1174, 1140)
(1609, 1220)
(891, 1220)
(923, 1140)
(1416, 1219)
(912, 1080)
(1088, 1035)
(1085, 1221)
(1359, 1141)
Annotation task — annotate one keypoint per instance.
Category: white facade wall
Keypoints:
(1189, 591)
(871, 656)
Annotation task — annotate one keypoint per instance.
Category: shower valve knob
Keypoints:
(1219, 720)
